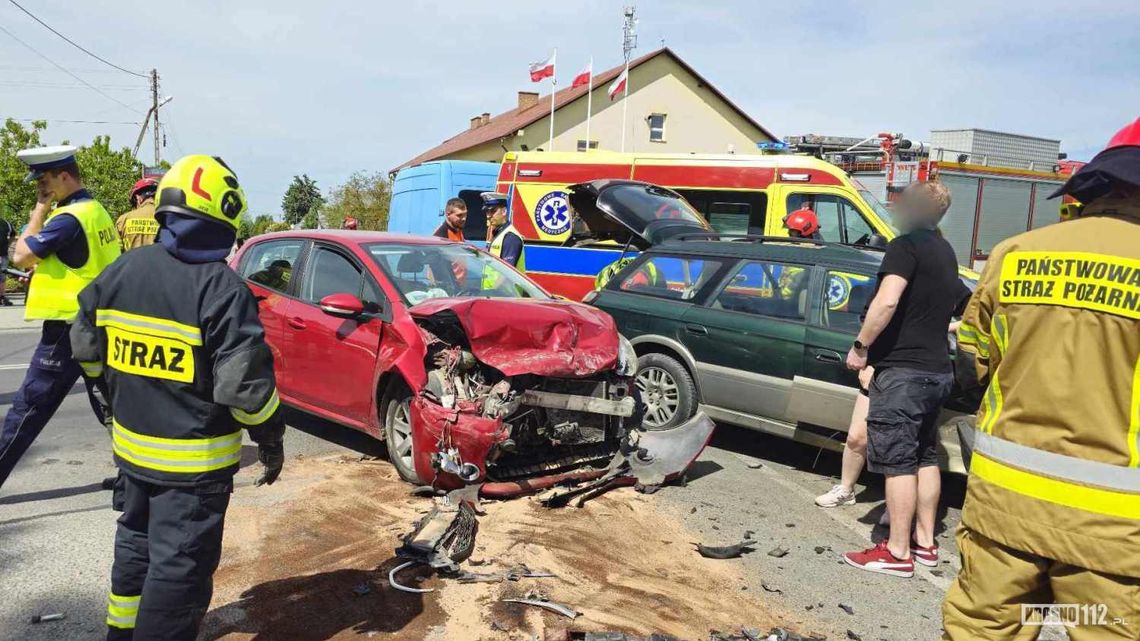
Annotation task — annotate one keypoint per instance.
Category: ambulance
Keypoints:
(736, 194)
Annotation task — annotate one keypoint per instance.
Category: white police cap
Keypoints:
(40, 159)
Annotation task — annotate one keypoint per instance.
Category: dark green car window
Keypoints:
(670, 277)
(845, 296)
(767, 289)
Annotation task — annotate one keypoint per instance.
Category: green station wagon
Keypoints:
(755, 331)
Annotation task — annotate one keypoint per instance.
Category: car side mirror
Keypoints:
(342, 305)
(877, 241)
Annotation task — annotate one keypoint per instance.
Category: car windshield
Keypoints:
(881, 210)
(423, 272)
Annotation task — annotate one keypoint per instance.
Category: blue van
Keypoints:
(420, 192)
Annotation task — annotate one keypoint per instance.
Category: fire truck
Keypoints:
(992, 197)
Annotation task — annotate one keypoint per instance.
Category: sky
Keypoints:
(285, 87)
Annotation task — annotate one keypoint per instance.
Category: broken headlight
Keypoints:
(627, 357)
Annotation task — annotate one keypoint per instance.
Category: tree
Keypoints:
(16, 196)
(256, 225)
(107, 174)
(302, 198)
(364, 196)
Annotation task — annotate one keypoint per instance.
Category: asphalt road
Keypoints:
(57, 528)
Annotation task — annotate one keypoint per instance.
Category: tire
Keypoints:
(396, 415)
(667, 389)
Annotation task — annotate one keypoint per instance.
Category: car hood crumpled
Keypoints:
(544, 337)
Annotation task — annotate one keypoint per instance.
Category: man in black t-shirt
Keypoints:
(904, 337)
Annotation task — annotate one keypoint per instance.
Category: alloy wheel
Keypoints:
(661, 395)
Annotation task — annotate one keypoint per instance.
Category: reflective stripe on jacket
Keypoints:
(185, 358)
(1055, 328)
(54, 288)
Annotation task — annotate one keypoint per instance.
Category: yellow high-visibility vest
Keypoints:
(53, 293)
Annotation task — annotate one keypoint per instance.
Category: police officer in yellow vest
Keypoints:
(1052, 512)
(505, 241)
(69, 245)
(138, 228)
(176, 334)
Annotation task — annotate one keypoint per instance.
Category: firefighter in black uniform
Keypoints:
(176, 334)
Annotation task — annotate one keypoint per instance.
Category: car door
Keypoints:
(748, 337)
(333, 358)
(824, 392)
(267, 267)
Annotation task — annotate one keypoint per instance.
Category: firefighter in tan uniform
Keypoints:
(138, 228)
(1052, 512)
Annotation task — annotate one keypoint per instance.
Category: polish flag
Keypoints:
(618, 86)
(540, 70)
(583, 78)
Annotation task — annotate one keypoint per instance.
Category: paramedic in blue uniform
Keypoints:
(68, 245)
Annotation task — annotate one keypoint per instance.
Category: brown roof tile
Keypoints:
(508, 122)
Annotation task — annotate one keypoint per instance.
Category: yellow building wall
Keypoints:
(696, 119)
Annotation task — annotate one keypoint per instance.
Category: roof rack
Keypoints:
(754, 238)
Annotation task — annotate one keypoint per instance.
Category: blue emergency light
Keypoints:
(773, 145)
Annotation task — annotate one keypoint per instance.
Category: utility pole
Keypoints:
(628, 44)
(154, 106)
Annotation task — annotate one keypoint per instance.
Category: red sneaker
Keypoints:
(926, 556)
(879, 559)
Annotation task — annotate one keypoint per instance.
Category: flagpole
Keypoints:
(589, 102)
(553, 90)
(624, 104)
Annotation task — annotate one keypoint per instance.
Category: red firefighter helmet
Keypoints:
(350, 223)
(142, 184)
(802, 221)
(1118, 163)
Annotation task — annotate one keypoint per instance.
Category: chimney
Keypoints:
(485, 119)
(475, 122)
(527, 99)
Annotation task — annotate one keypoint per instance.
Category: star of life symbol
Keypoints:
(838, 291)
(552, 213)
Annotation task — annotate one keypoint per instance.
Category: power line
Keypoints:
(63, 85)
(72, 43)
(64, 69)
(81, 122)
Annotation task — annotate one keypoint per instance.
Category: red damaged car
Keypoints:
(469, 371)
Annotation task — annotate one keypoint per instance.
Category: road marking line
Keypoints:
(16, 366)
(851, 523)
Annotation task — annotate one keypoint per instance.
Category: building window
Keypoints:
(582, 145)
(656, 127)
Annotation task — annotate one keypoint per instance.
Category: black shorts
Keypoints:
(902, 422)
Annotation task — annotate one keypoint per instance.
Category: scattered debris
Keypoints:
(513, 574)
(846, 608)
(755, 465)
(403, 588)
(44, 618)
(727, 551)
(446, 536)
(820, 549)
(854, 637)
(499, 627)
(780, 634)
(362, 589)
(770, 588)
(565, 611)
(779, 552)
(938, 573)
(789, 525)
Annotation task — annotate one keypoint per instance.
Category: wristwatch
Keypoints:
(859, 346)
